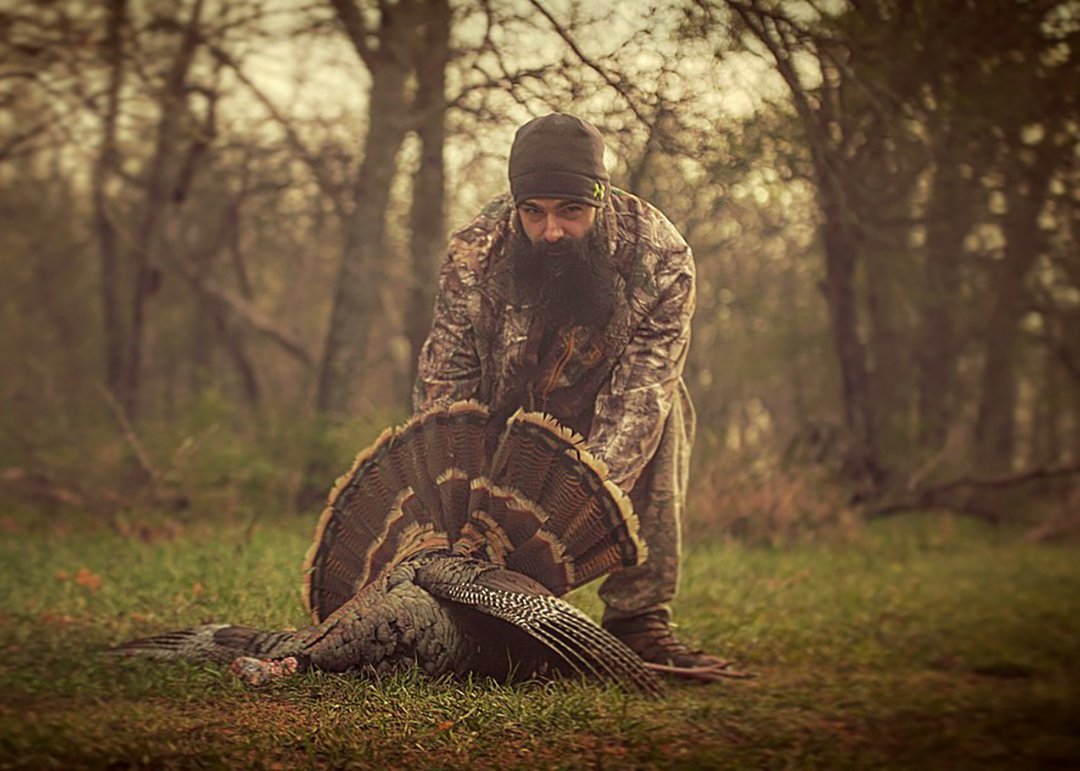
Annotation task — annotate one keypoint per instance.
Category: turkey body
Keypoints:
(433, 555)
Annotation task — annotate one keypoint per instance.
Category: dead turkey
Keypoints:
(437, 551)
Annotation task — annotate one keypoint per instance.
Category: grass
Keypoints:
(918, 643)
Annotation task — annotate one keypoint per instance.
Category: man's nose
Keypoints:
(553, 230)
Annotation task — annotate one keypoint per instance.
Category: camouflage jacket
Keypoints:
(614, 386)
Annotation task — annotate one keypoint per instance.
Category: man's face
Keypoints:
(551, 219)
(560, 266)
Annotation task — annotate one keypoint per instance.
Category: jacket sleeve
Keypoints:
(632, 408)
(449, 365)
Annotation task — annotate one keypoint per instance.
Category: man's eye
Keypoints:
(573, 211)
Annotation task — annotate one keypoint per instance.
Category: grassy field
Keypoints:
(918, 643)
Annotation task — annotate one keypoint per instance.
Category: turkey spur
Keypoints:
(446, 547)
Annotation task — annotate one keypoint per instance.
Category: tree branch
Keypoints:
(355, 30)
(937, 496)
(1009, 480)
(141, 457)
(247, 311)
(588, 62)
(322, 179)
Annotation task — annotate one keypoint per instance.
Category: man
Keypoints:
(573, 298)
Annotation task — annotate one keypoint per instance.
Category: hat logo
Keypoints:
(598, 192)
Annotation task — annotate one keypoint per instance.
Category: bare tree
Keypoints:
(831, 139)
(387, 49)
(104, 169)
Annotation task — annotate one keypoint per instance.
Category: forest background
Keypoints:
(223, 222)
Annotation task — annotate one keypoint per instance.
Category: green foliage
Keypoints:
(223, 469)
(921, 643)
(211, 463)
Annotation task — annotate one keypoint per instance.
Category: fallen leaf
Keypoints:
(88, 580)
(57, 619)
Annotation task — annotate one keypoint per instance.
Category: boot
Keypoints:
(650, 636)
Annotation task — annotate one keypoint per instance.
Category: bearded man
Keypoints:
(572, 298)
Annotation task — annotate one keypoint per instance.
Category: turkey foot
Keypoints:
(255, 671)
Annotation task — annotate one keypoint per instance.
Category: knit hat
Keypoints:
(558, 156)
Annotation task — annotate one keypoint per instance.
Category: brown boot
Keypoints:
(650, 636)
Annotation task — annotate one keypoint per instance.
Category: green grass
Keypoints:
(918, 643)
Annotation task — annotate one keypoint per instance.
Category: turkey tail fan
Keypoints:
(453, 447)
(402, 495)
(579, 525)
(501, 521)
(542, 506)
(530, 450)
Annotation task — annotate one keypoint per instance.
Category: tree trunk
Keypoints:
(841, 257)
(793, 348)
(1048, 413)
(113, 334)
(221, 328)
(840, 235)
(356, 296)
(937, 349)
(640, 168)
(886, 352)
(147, 274)
(1073, 445)
(428, 212)
(884, 196)
(995, 427)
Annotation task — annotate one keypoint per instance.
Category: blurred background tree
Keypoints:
(223, 223)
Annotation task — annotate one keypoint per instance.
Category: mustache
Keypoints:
(563, 249)
(538, 269)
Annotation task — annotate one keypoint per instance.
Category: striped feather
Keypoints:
(560, 627)
(403, 490)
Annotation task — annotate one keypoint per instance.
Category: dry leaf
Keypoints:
(57, 619)
(88, 580)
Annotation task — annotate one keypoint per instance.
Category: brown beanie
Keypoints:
(558, 156)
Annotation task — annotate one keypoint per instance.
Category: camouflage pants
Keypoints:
(659, 498)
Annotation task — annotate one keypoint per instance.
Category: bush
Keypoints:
(758, 501)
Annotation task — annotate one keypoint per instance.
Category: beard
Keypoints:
(571, 281)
